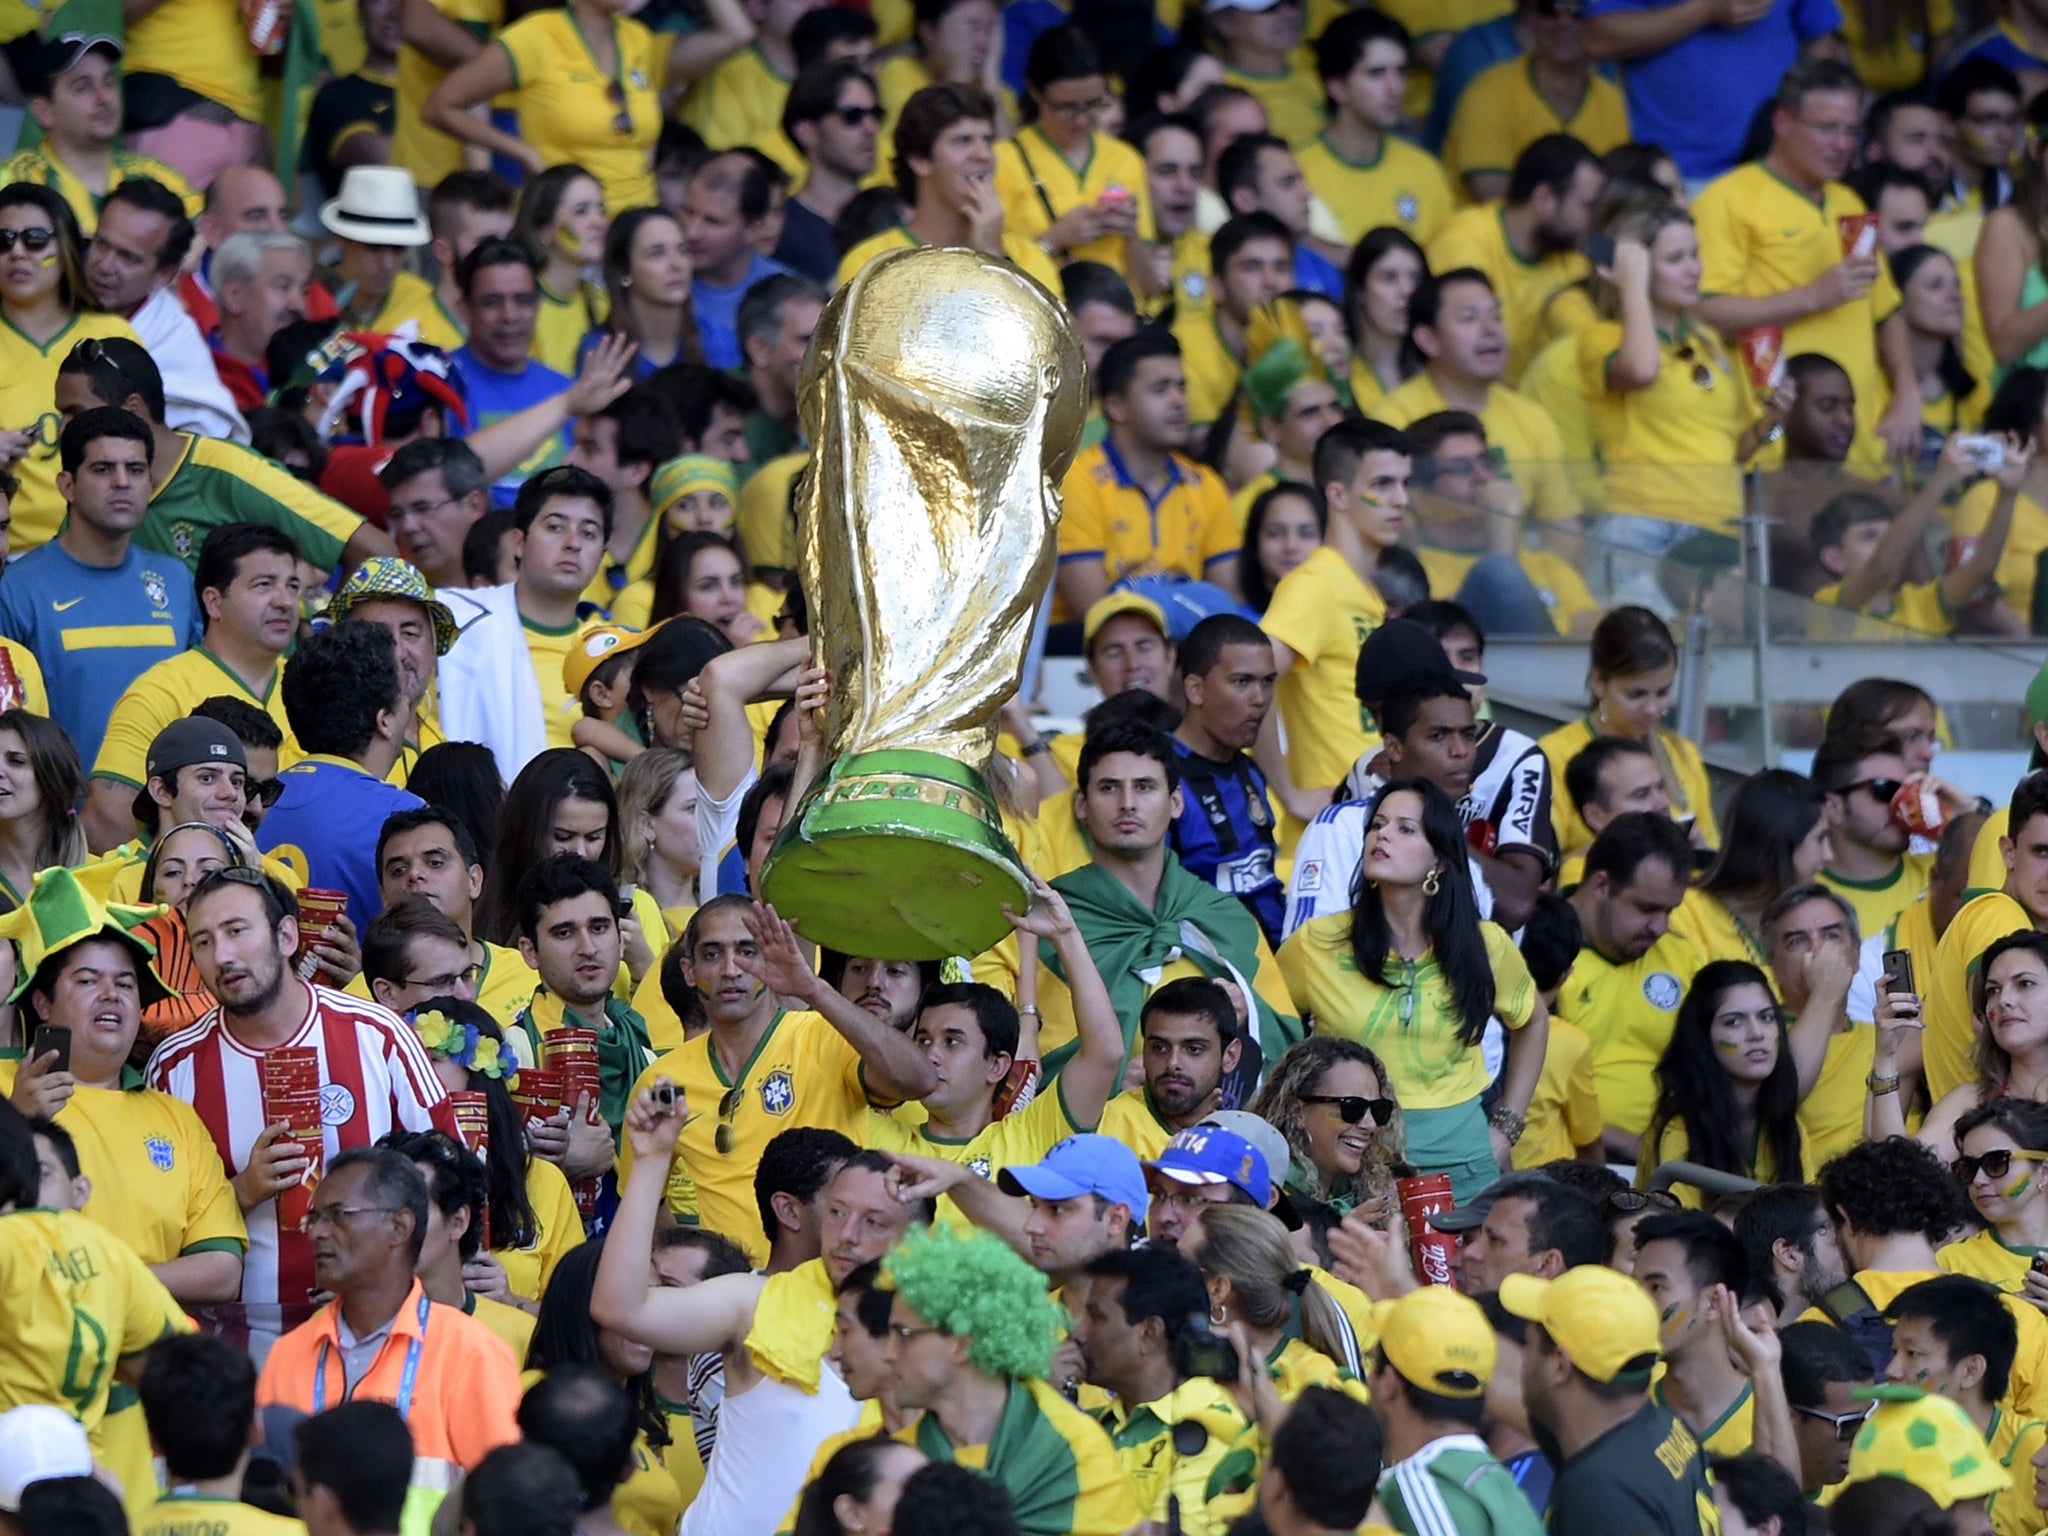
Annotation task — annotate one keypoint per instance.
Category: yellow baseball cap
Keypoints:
(1925, 1439)
(595, 646)
(1601, 1318)
(1437, 1340)
(1107, 608)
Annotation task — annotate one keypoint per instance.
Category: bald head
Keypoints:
(241, 197)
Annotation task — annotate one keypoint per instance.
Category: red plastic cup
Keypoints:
(1435, 1253)
(1763, 354)
(1859, 235)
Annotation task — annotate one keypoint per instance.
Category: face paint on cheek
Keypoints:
(2018, 1187)
(1727, 1047)
(48, 261)
(1674, 1318)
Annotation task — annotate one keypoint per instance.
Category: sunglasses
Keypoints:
(1996, 1163)
(264, 792)
(1702, 375)
(853, 117)
(1354, 1107)
(728, 1106)
(1626, 1202)
(1884, 789)
(1846, 1424)
(37, 238)
(622, 120)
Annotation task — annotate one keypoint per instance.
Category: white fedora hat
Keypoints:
(379, 205)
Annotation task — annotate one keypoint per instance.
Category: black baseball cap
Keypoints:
(193, 740)
(1400, 649)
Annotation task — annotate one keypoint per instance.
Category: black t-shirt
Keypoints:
(806, 244)
(340, 108)
(1644, 1477)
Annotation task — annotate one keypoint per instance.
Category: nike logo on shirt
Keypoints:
(61, 607)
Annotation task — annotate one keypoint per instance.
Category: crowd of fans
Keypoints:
(1379, 1118)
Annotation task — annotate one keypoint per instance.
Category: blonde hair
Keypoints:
(644, 788)
(1250, 1248)
(1642, 222)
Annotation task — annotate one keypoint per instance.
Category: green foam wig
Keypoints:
(974, 1287)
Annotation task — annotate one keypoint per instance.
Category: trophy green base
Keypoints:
(897, 856)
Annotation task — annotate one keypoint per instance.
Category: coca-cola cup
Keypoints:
(318, 910)
(1763, 354)
(1859, 235)
(1435, 1253)
(1918, 809)
(538, 1094)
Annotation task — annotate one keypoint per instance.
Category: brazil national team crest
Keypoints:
(181, 540)
(161, 1153)
(1406, 207)
(156, 589)
(777, 1093)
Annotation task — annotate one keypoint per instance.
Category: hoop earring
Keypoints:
(1432, 883)
(1218, 1315)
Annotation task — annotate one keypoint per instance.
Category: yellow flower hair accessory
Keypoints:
(464, 1044)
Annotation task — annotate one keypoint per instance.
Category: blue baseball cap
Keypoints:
(1208, 1154)
(1083, 1165)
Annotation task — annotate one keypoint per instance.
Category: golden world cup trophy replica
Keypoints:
(943, 398)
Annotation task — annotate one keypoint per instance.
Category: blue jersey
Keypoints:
(717, 311)
(1744, 64)
(493, 396)
(325, 825)
(1224, 833)
(95, 629)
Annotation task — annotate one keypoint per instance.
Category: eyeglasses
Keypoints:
(1354, 1107)
(37, 237)
(1846, 1424)
(1884, 789)
(420, 508)
(320, 1215)
(728, 1106)
(853, 117)
(1626, 1202)
(1996, 1163)
(265, 792)
(472, 974)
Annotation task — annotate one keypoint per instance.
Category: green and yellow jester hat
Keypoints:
(59, 913)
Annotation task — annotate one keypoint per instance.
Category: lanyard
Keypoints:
(406, 1380)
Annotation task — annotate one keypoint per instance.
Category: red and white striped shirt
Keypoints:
(375, 1077)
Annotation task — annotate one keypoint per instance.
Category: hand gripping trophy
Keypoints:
(944, 398)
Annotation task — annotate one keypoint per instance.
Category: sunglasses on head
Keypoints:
(1996, 1163)
(1626, 1202)
(1354, 1107)
(38, 237)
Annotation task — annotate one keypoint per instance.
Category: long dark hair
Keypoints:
(461, 778)
(1955, 378)
(1258, 592)
(565, 1334)
(513, 1222)
(54, 764)
(673, 566)
(1769, 816)
(1694, 1089)
(1450, 917)
(524, 822)
(72, 288)
(1366, 255)
(852, 1472)
(618, 279)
